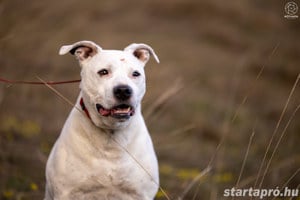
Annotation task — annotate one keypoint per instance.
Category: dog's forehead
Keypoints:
(114, 59)
(116, 55)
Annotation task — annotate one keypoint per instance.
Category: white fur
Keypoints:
(104, 157)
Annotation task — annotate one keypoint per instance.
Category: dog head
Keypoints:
(112, 81)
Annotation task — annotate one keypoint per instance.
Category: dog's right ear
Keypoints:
(82, 50)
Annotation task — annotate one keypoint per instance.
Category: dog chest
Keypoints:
(116, 179)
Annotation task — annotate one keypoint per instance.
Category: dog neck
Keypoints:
(83, 107)
(86, 111)
(111, 134)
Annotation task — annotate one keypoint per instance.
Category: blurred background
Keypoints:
(227, 70)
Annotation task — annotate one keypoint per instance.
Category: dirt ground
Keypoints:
(227, 73)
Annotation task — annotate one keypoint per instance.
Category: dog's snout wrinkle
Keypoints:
(122, 92)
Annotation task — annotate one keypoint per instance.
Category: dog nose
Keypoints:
(122, 92)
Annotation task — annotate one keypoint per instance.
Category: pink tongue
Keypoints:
(104, 112)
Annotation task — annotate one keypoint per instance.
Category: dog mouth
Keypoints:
(122, 111)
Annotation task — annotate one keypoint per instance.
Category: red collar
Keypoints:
(84, 108)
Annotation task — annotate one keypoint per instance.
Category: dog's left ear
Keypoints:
(82, 49)
(142, 52)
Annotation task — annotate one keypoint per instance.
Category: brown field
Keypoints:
(227, 70)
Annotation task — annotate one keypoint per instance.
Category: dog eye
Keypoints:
(136, 74)
(103, 72)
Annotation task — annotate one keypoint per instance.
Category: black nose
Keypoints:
(122, 92)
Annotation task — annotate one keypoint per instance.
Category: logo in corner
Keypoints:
(291, 9)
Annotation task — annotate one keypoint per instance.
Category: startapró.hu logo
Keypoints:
(291, 10)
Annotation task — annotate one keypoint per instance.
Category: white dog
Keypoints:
(104, 150)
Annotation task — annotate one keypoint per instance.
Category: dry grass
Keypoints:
(226, 70)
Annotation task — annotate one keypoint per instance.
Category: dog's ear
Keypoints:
(82, 50)
(142, 52)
